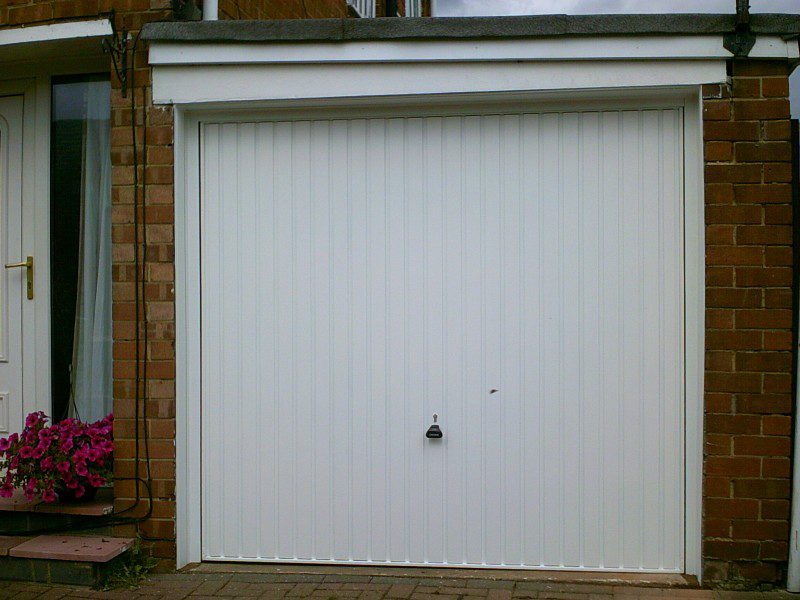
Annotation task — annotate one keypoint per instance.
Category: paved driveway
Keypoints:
(197, 586)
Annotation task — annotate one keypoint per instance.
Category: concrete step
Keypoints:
(70, 559)
(19, 515)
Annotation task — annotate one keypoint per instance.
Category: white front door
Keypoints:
(518, 274)
(13, 292)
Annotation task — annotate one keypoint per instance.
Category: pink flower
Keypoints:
(33, 418)
(6, 490)
(30, 489)
(69, 453)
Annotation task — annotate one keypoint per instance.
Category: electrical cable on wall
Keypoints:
(141, 323)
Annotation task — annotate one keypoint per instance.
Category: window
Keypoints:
(80, 247)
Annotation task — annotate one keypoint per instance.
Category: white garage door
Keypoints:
(520, 275)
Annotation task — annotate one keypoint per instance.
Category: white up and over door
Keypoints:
(520, 275)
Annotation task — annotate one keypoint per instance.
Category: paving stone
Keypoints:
(638, 592)
(491, 583)
(400, 590)
(198, 577)
(465, 591)
(208, 588)
(197, 587)
(495, 594)
(328, 586)
(238, 588)
(120, 595)
(576, 588)
(344, 578)
(257, 578)
(422, 596)
(302, 589)
(374, 587)
(293, 578)
(26, 596)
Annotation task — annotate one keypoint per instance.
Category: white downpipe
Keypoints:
(210, 10)
(793, 578)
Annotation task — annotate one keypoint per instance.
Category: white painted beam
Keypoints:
(190, 84)
(56, 32)
(707, 47)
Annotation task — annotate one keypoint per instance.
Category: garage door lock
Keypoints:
(434, 432)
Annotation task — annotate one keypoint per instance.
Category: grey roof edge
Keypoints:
(333, 30)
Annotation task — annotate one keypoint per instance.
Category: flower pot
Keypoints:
(67, 495)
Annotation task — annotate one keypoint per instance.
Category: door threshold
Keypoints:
(310, 573)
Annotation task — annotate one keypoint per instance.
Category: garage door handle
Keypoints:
(434, 432)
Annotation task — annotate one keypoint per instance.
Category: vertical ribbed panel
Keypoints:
(360, 275)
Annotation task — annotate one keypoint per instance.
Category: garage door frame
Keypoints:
(187, 257)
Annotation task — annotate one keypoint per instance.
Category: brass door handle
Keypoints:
(28, 264)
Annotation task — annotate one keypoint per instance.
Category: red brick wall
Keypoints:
(30, 12)
(749, 355)
(154, 124)
(282, 9)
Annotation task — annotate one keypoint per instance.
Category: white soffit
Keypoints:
(190, 84)
(706, 47)
(53, 41)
